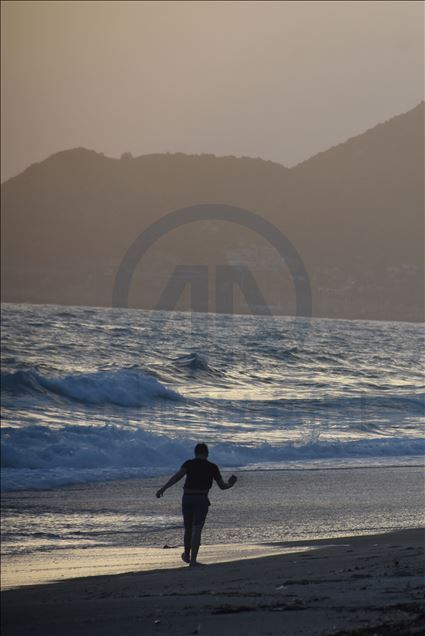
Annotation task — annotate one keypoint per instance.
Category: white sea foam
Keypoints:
(37, 456)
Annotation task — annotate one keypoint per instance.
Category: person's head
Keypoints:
(201, 450)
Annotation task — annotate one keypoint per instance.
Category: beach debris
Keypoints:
(157, 622)
(232, 609)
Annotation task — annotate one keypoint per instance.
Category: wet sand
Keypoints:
(50, 567)
(357, 585)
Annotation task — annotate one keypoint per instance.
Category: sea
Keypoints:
(101, 405)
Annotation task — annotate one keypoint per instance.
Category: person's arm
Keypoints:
(224, 485)
(173, 480)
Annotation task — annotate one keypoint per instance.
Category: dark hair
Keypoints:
(201, 449)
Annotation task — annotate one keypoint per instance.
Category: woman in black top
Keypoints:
(200, 474)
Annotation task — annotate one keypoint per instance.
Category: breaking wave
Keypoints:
(85, 453)
(122, 387)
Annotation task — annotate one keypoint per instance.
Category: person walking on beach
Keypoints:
(200, 474)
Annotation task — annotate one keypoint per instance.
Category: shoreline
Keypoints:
(348, 464)
(368, 584)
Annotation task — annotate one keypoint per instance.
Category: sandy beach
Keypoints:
(353, 585)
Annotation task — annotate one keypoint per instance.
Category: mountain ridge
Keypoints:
(419, 108)
(353, 212)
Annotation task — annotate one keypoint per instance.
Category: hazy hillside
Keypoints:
(354, 214)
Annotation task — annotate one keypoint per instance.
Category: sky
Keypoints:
(277, 80)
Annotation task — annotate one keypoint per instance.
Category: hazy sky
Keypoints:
(277, 80)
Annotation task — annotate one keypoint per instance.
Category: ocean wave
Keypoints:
(122, 387)
(347, 410)
(85, 452)
(131, 388)
(195, 363)
(83, 447)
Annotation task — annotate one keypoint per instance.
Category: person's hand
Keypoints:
(232, 480)
(159, 493)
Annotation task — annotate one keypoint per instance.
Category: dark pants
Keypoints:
(195, 510)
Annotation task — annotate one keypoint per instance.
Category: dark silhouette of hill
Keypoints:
(354, 214)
